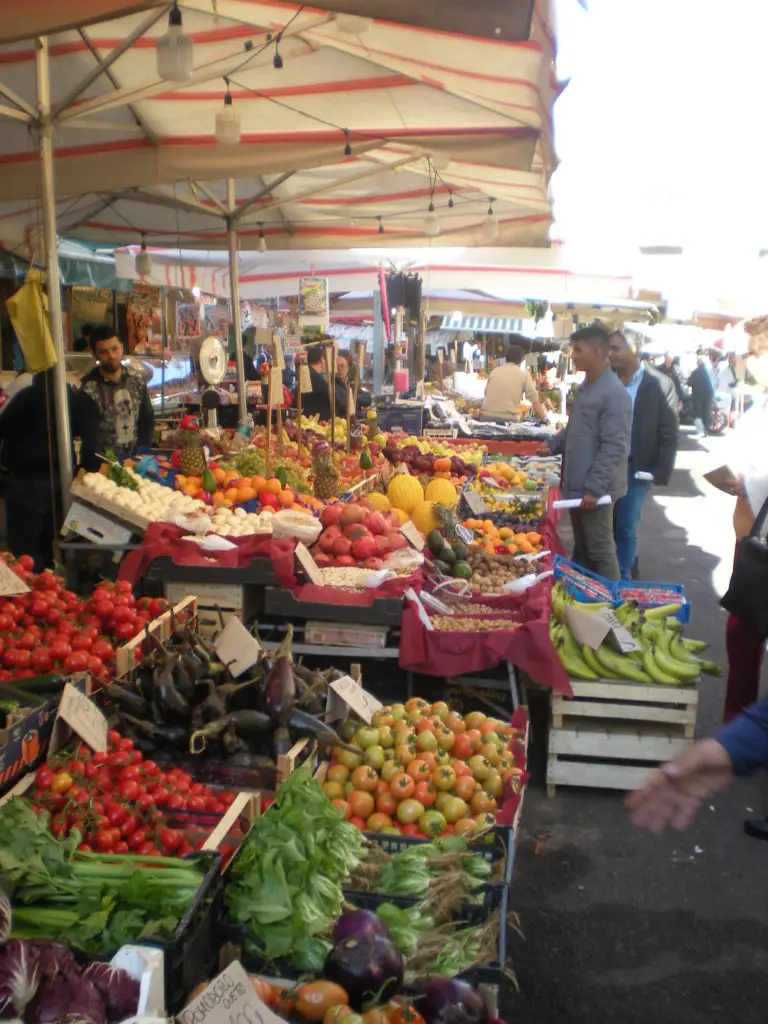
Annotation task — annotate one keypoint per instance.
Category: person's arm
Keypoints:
(533, 397)
(666, 452)
(85, 425)
(745, 739)
(557, 443)
(145, 427)
(612, 443)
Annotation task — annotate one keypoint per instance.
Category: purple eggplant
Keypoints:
(280, 689)
(369, 967)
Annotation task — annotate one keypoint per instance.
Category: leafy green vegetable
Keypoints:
(285, 885)
(90, 901)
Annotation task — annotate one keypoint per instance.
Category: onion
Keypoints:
(449, 1001)
(356, 923)
(369, 967)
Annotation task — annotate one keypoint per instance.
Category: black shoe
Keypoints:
(756, 827)
(635, 570)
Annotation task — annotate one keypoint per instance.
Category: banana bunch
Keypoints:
(663, 656)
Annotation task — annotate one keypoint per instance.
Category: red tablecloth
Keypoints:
(513, 790)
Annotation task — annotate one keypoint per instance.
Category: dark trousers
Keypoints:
(627, 513)
(746, 649)
(29, 519)
(593, 543)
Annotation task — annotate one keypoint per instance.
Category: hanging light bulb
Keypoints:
(262, 243)
(143, 262)
(491, 224)
(277, 60)
(175, 51)
(228, 122)
(347, 146)
(450, 200)
(431, 222)
(381, 226)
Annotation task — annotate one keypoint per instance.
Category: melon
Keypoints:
(379, 501)
(423, 516)
(442, 492)
(404, 491)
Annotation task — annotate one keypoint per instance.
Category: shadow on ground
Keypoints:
(620, 926)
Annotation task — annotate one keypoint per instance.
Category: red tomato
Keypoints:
(123, 587)
(137, 839)
(42, 660)
(145, 801)
(104, 840)
(125, 743)
(129, 826)
(43, 777)
(160, 795)
(38, 608)
(96, 667)
(27, 641)
(26, 562)
(123, 614)
(129, 789)
(147, 850)
(226, 797)
(81, 642)
(60, 649)
(103, 649)
(170, 839)
(17, 658)
(104, 609)
(124, 631)
(6, 622)
(67, 629)
(175, 802)
(116, 814)
(196, 803)
(150, 768)
(122, 847)
(77, 661)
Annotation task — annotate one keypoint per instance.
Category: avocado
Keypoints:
(463, 570)
(460, 550)
(447, 555)
(435, 541)
(444, 568)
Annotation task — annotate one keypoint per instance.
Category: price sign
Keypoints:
(440, 355)
(276, 386)
(236, 647)
(364, 704)
(229, 999)
(83, 718)
(309, 565)
(305, 381)
(464, 534)
(10, 583)
(420, 609)
(413, 536)
(277, 345)
(476, 504)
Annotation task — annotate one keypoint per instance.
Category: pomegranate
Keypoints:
(356, 531)
(376, 523)
(330, 514)
(345, 560)
(352, 514)
(373, 563)
(342, 546)
(396, 541)
(364, 547)
(382, 544)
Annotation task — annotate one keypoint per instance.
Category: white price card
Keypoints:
(275, 386)
(10, 583)
(412, 535)
(592, 628)
(237, 648)
(305, 380)
(364, 704)
(277, 346)
(83, 718)
(309, 565)
(464, 534)
(477, 505)
(229, 999)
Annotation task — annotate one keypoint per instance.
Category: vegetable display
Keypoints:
(93, 902)
(421, 769)
(284, 886)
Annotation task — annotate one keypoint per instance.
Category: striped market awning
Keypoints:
(485, 324)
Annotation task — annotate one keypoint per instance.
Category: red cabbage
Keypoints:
(66, 1000)
(53, 959)
(356, 922)
(369, 967)
(117, 988)
(19, 975)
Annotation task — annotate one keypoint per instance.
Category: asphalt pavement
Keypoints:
(620, 926)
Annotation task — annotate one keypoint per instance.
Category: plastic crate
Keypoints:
(501, 847)
(582, 583)
(651, 595)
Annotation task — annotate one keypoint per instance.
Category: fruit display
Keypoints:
(325, 476)
(355, 534)
(471, 623)
(433, 459)
(490, 571)
(422, 769)
(51, 629)
(493, 539)
(663, 656)
(450, 557)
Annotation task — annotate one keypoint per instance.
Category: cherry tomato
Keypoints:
(42, 660)
(129, 826)
(196, 803)
(60, 649)
(80, 642)
(125, 743)
(116, 814)
(124, 587)
(62, 781)
(160, 795)
(96, 667)
(26, 562)
(104, 608)
(129, 772)
(147, 849)
(17, 658)
(6, 622)
(85, 847)
(44, 777)
(225, 796)
(129, 789)
(104, 840)
(145, 801)
(175, 802)
(103, 649)
(122, 847)
(170, 839)
(124, 631)
(137, 839)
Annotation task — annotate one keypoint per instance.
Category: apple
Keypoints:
(342, 546)
(376, 523)
(331, 514)
(364, 547)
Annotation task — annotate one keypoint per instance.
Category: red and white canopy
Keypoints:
(464, 118)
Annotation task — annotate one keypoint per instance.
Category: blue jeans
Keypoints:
(626, 522)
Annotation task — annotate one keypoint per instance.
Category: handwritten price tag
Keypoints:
(475, 501)
(364, 704)
(229, 999)
(83, 718)
(305, 381)
(276, 386)
(464, 534)
(309, 565)
(10, 583)
(413, 536)
(237, 648)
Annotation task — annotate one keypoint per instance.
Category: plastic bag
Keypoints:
(302, 526)
(28, 310)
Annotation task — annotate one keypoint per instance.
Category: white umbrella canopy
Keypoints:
(427, 115)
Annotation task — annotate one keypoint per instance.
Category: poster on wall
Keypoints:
(313, 298)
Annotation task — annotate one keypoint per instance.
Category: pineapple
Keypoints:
(192, 459)
(325, 474)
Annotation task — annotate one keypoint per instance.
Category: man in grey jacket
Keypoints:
(594, 446)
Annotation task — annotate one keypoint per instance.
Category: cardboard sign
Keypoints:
(464, 534)
(229, 999)
(276, 386)
(277, 345)
(477, 505)
(83, 718)
(412, 535)
(364, 704)
(305, 381)
(237, 648)
(10, 583)
(309, 565)
(592, 628)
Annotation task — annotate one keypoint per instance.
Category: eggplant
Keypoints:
(244, 760)
(213, 706)
(169, 736)
(183, 679)
(368, 966)
(250, 725)
(198, 740)
(449, 1001)
(280, 690)
(356, 922)
(281, 742)
(126, 700)
(303, 724)
(172, 704)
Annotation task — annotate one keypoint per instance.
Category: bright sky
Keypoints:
(661, 132)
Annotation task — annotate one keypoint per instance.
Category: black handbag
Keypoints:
(747, 596)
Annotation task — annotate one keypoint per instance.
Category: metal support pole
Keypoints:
(378, 344)
(61, 399)
(234, 293)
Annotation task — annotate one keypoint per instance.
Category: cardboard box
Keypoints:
(93, 526)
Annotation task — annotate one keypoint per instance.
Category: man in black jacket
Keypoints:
(653, 441)
(318, 402)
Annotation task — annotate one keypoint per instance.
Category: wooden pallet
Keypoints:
(610, 734)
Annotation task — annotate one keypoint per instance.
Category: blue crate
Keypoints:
(590, 588)
(583, 584)
(673, 592)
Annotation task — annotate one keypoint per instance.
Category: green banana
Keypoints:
(710, 668)
(575, 667)
(588, 656)
(681, 653)
(686, 671)
(662, 611)
(694, 645)
(620, 666)
(656, 673)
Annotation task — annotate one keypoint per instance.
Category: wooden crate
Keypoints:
(610, 734)
(128, 654)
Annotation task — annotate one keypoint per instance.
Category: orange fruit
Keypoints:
(258, 483)
(190, 490)
(273, 485)
(245, 493)
(219, 474)
(285, 498)
(218, 499)
(230, 476)
(180, 480)
(231, 494)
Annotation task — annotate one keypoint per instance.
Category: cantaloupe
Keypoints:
(423, 516)
(404, 491)
(380, 502)
(443, 492)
